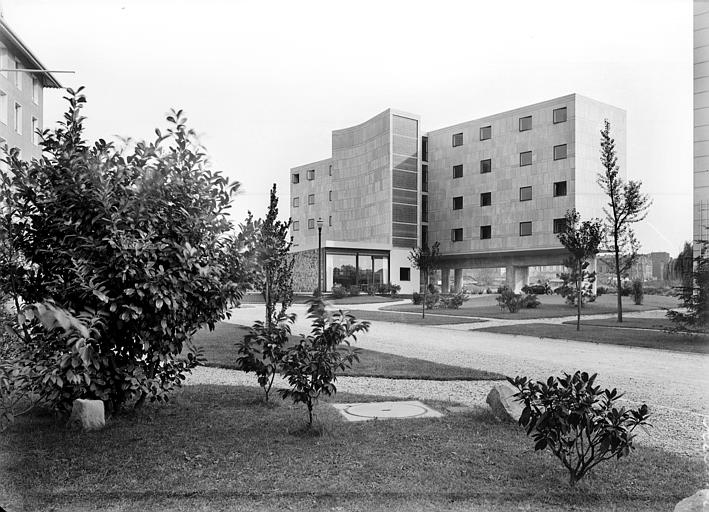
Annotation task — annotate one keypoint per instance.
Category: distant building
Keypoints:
(21, 94)
(492, 191)
(660, 260)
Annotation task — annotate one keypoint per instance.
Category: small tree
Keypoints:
(694, 295)
(425, 259)
(581, 239)
(580, 424)
(311, 366)
(626, 206)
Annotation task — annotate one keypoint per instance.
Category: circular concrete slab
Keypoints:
(387, 410)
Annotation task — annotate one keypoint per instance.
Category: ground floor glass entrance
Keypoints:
(356, 267)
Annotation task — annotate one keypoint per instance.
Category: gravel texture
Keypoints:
(674, 385)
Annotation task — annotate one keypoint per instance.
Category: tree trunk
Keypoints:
(578, 295)
(617, 276)
(425, 289)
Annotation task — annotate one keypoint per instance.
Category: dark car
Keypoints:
(538, 289)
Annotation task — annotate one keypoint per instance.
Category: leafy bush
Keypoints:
(638, 292)
(353, 290)
(416, 298)
(694, 296)
(311, 366)
(601, 290)
(263, 348)
(317, 293)
(580, 424)
(372, 289)
(509, 300)
(432, 300)
(133, 243)
(388, 289)
(502, 288)
(627, 289)
(339, 292)
(530, 301)
(568, 287)
(452, 301)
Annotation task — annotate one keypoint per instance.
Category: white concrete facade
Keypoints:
(701, 123)
(492, 194)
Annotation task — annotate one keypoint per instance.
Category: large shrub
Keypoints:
(694, 295)
(577, 421)
(638, 292)
(311, 366)
(133, 242)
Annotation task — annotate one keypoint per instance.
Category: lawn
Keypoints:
(629, 323)
(221, 448)
(219, 349)
(552, 306)
(611, 335)
(433, 317)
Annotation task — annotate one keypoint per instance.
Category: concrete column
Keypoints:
(517, 277)
(457, 280)
(445, 280)
(593, 267)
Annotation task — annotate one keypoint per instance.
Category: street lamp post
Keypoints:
(320, 225)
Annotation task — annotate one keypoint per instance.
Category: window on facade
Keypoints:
(424, 149)
(525, 228)
(295, 178)
(559, 225)
(525, 158)
(296, 225)
(330, 195)
(424, 208)
(18, 74)
(18, 118)
(486, 199)
(525, 123)
(35, 90)
(457, 139)
(485, 166)
(424, 236)
(485, 132)
(311, 198)
(3, 151)
(560, 115)
(296, 202)
(457, 235)
(329, 170)
(35, 128)
(329, 220)
(458, 203)
(457, 171)
(310, 175)
(3, 107)
(404, 274)
(525, 193)
(311, 223)
(560, 152)
(485, 232)
(4, 61)
(424, 178)
(559, 188)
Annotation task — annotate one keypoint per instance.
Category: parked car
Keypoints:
(538, 289)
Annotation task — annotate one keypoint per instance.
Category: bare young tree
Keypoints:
(626, 206)
(425, 259)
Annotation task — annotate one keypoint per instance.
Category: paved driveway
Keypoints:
(675, 385)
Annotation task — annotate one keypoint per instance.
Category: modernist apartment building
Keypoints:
(493, 192)
(21, 94)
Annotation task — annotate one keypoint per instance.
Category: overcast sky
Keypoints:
(266, 82)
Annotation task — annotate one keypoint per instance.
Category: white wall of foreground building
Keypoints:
(400, 259)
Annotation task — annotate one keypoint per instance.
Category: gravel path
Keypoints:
(675, 385)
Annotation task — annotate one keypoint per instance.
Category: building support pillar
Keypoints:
(457, 280)
(592, 267)
(517, 277)
(445, 280)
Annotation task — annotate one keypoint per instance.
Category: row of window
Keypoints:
(16, 117)
(5, 61)
(311, 223)
(311, 199)
(309, 175)
(525, 124)
(525, 229)
(525, 159)
(525, 194)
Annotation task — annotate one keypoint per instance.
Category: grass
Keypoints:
(219, 349)
(433, 317)
(552, 306)
(257, 298)
(629, 323)
(610, 335)
(221, 448)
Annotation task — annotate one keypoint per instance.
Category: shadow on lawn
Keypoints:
(217, 446)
